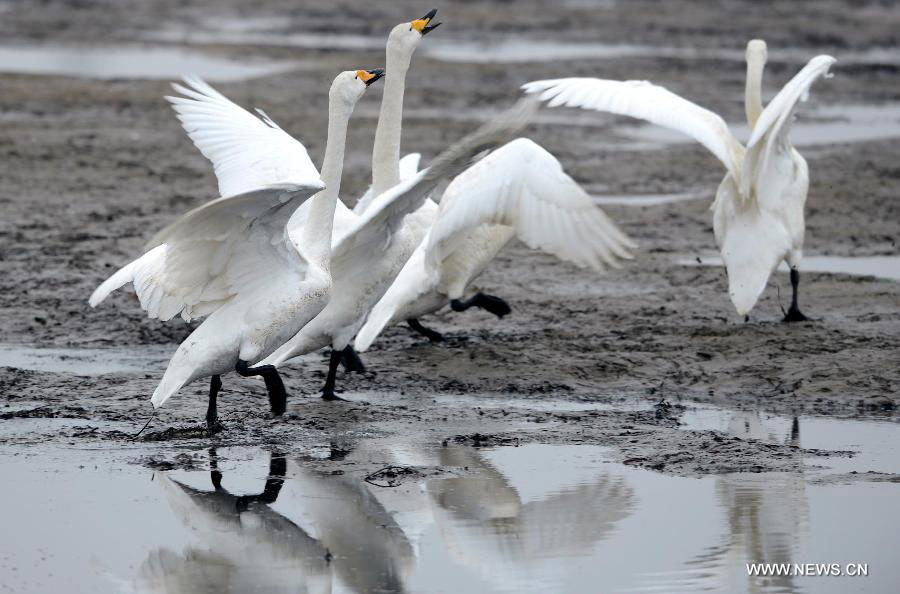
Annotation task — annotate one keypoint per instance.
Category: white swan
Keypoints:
(519, 190)
(370, 246)
(233, 259)
(758, 210)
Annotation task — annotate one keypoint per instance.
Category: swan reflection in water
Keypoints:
(487, 527)
(349, 535)
(765, 514)
(247, 546)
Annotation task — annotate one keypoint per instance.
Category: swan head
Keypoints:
(407, 36)
(756, 51)
(350, 85)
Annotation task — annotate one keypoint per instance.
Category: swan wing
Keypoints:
(409, 166)
(414, 280)
(645, 101)
(247, 152)
(772, 129)
(523, 186)
(226, 247)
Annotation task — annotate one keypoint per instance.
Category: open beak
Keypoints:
(425, 24)
(370, 76)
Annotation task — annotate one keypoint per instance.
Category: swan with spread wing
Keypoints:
(758, 211)
(234, 259)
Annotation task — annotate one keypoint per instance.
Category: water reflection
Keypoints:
(369, 551)
(247, 546)
(765, 514)
(535, 518)
(488, 528)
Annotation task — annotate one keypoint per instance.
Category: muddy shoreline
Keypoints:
(91, 169)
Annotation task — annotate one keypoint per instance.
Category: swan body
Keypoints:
(758, 209)
(234, 259)
(519, 190)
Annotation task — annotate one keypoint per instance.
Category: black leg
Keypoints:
(351, 361)
(489, 303)
(431, 335)
(214, 475)
(212, 417)
(794, 314)
(274, 385)
(333, 362)
(274, 482)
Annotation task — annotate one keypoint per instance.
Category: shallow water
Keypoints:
(85, 361)
(281, 33)
(824, 125)
(132, 63)
(884, 267)
(534, 518)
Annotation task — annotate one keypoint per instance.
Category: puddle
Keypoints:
(833, 124)
(107, 63)
(535, 518)
(883, 267)
(876, 444)
(278, 33)
(86, 361)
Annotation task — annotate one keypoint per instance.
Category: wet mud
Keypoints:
(92, 168)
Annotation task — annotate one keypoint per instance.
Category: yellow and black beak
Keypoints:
(369, 76)
(424, 25)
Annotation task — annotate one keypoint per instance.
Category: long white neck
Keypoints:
(315, 237)
(386, 150)
(753, 93)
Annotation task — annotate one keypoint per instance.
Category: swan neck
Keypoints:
(753, 93)
(315, 238)
(386, 150)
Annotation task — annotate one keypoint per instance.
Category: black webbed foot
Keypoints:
(431, 335)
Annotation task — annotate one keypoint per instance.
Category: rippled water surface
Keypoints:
(535, 518)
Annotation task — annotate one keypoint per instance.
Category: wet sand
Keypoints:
(92, 168)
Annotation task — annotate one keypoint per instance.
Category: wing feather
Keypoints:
(523, 186)
(247, 152)
(225, 247)
(772, 129)
(646, 101)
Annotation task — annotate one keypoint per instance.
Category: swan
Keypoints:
(233, 259)
(519, 190)
(244, 544)
(387, 167)
(758, 209)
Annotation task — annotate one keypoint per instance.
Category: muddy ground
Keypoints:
(90, 169)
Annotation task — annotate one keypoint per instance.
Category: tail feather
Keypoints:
(179, 373)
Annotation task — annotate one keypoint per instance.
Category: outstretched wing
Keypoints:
(247, 152)
(523, 186)
(409, 166)
(772, 129)
(214, 252)
(519, 187)
(646, 101)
